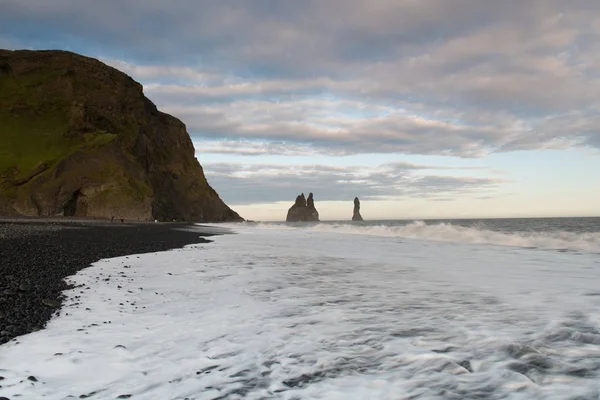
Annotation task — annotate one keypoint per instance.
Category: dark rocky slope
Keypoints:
(79, 138)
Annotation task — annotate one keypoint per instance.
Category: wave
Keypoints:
(447, 232)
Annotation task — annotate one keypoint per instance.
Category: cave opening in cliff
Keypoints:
(76, 206)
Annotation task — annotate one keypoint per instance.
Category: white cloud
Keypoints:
(252, 148)
(344, 127)
(157, 73)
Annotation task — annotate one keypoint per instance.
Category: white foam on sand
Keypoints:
(280, 313)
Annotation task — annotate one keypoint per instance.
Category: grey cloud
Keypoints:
(257, 148)
(263, 183)
(328, 130)
(483, 76)
(157, 72)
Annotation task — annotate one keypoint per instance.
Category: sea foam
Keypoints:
(448, 232)
(302, 314)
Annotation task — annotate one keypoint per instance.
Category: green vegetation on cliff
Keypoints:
(78, 137)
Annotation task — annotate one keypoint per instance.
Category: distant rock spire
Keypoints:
(310, 202)
(303, 210)
(300, 201)
(356, 215)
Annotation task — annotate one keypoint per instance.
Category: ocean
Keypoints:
(461, 309)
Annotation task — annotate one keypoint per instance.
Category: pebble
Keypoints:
(42, 253)
(51, 303)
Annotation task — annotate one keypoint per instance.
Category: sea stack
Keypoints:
(80, 139)
(303, 210)
(356, 214)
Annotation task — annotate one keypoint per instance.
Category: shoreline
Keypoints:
(36, 255)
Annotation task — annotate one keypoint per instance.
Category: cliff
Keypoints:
(303, 210)
(79, 138)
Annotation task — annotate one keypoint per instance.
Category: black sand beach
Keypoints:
(36, 255)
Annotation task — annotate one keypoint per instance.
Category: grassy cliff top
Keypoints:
(49, 103)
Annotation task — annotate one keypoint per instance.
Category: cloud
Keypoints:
(252, 148)
(162, 73)
(266, 183)
(464, 78)
(342, 127)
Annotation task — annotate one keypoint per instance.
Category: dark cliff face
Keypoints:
(79, 138)
(303, 210)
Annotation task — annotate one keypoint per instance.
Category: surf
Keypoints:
(561, 240)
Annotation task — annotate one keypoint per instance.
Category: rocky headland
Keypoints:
(303, 210)
(79, 138)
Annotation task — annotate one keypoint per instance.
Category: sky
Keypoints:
(421, 108)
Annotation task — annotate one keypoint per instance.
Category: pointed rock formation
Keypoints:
(303, 210)
(300, 201)
(356, 215)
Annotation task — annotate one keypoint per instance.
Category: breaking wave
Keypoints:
(447, 232)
